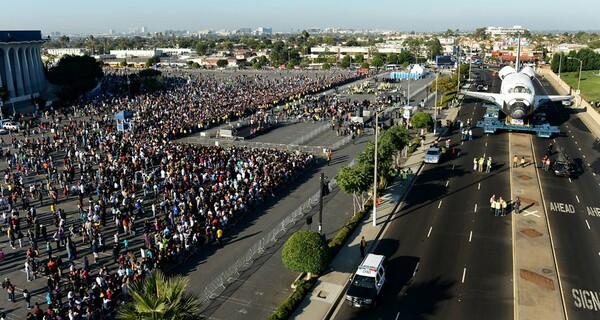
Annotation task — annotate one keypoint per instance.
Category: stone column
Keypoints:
(25, 65)
(19, 73)
(7, 68)
(32, 74)
(40, 67)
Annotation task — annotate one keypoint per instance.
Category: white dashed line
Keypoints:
(429, 233)
(470, 236)
(570, 180)
(447, 181)
(588, 224)
(576, 197)
(479, 186)
(453, 166)
(416, 269)
(575, 142)
(475, 208)
(462, 143)
(486, 144)
(579, 149)
(594, 173)
(439, 205)
(397, 315)
(464, 274)
(583, 156)
(554, 140)
(573, 137)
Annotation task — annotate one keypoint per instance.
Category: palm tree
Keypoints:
(160, 298)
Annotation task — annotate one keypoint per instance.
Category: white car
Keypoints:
(433, 155)
(12, 126)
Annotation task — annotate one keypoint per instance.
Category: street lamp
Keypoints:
(375, 170)
(559, 64)
(437, 72)
(578, 81)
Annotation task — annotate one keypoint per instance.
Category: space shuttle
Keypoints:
(517, 97)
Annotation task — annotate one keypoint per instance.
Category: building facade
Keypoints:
(21, 67)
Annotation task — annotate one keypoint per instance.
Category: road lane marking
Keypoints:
(593, 173)
(570, 180)
(464, 274)
(453, 166)
(579, 149)
(447, 181)
(486, 144)
(397, 315)
(475, 208)
(462, 143)
(573, 137)
(588, 224)
(470, 236)
(530, 213)
(583, 156)
(416, 268)
(429, 233)
(554, 140)
(575, 142)
(479, 186)
(576, 197)
(439, 205)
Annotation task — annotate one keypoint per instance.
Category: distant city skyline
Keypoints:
(97, 17)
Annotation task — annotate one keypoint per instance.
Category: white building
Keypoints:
(69, 51)
(136, 53)
(21, 67)
(176, 51)
(501, 31)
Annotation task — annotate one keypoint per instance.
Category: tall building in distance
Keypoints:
(144, 29)
(263, 31)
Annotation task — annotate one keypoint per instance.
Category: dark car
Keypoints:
(564, 166)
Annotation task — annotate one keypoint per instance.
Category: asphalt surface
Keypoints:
(450, 258)
(261, 286)
(573, 208)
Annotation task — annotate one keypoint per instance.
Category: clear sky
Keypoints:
(93, 16)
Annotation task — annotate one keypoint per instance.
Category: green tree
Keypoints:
(378, 60)
(326, 66)
(158, 297)
(346, 62)
(364, 65)
(434, 48)
(152, 61)
(195, 65)
(356, 181)
(305, 251)
(75, 75)
(421, 120)
(359, 58)
(222, 63)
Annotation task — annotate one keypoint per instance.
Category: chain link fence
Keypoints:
(212, 290)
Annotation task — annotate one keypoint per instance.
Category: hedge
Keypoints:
(285, 309)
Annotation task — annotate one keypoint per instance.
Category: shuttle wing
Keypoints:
(541, 99)
(496, 98)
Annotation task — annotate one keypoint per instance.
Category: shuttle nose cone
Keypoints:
(518, 114)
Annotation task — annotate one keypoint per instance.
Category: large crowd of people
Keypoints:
(75, 187)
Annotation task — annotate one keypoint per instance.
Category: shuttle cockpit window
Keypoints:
(519, 89)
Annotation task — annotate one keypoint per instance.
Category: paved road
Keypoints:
(258, 290)
(573, 208)
(463, 252)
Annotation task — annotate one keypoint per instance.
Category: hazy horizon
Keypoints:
(70, 17)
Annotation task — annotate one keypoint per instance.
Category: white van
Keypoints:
(367, 281)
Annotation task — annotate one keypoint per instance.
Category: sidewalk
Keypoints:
(330, 288)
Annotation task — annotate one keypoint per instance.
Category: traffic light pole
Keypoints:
(322, 181)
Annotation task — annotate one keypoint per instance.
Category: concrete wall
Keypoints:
(587, 113)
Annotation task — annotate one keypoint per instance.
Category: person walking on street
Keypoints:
(488, 167)
(475, 161)
(481, 162)
(517, 206)
(493, 204)
(498, 207)
(503, 206)
(515, 161)
(470, 135)
(363, 245)
(27, 298)
(220, 237)
(523, 162)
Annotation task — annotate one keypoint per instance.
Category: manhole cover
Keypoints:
(531, 233)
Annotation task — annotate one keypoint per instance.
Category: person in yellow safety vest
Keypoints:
(498, 207)
(480, 167)
(503, 206)
(220, 237)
